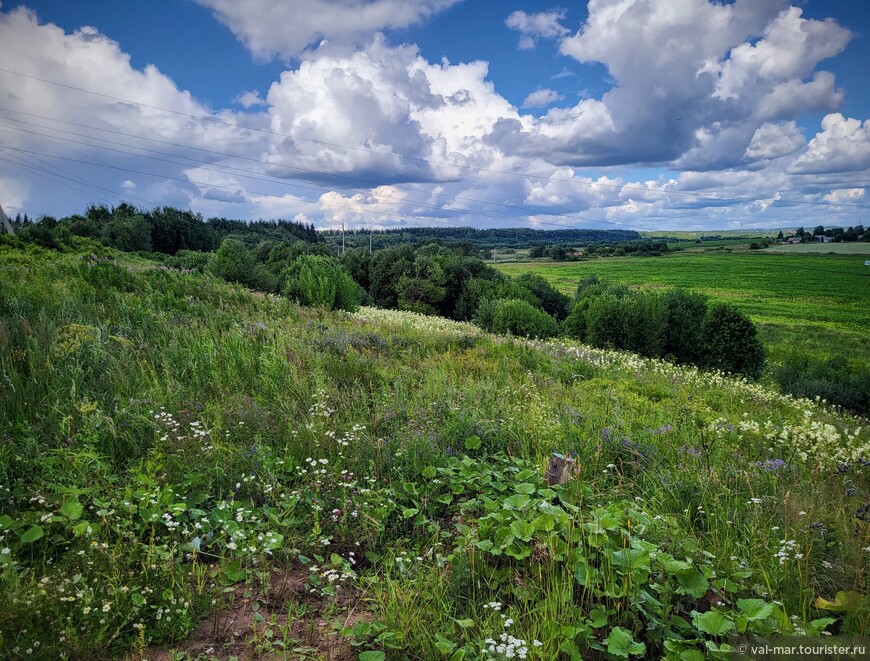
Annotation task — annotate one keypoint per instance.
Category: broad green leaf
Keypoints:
(522, 530)
(372, 656)
(503, 536)
(545, 522)
(519, 501)
(71, 508)
(472, 443)
(621, 644)
(444, 645)
(411, 511)
(517, 550)
(82, 529)
(32, 535)
(712, 622)
(232, 573)
(693, 582)
(597, 618)
(429, 472)
(755, 609)
(465, 624)
(525, 487)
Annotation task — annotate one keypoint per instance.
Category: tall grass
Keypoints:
(170, 441)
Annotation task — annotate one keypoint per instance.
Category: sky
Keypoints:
(622, 114)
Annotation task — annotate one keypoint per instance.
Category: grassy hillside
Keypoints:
(190, 465)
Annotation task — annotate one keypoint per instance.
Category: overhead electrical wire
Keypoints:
(575, 181)
(284, 180)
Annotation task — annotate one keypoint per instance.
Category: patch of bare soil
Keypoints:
(281, 620)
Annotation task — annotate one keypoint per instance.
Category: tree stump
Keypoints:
(560, 470)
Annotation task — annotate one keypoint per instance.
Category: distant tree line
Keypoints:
(448, 280)
(162, 230)
(836, 234)
(472, 240)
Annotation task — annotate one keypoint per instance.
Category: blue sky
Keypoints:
(647, 114)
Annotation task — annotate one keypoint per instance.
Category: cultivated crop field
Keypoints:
(818, 303)
(193, 471)
(823, 248)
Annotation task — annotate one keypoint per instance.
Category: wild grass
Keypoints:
(171, 444)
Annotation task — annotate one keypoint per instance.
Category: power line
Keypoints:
(216, 120)
(220, 186)
(461, 198)
(65, 174)
(481, 214)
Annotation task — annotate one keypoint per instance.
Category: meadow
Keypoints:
(193, 470)
(814, 302)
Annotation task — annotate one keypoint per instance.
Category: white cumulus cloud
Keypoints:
(693, 82)
(286, 28)
(843, 145)
(532, 27)
(541, 98)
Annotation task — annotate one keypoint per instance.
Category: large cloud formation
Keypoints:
(694, 80)
(371, 133)
(288, 27)
(127, 103)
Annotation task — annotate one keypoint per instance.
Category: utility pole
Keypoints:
(342, 236)
(6, 222)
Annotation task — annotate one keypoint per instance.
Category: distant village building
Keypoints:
(794, 239)
(821, 238)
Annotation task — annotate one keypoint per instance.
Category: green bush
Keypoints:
(189, 259)
(685, 316)
(554, 302)
(484, 316)
(607, 322)
(319, 281)
(646, 315)
(731, 342)
(834, 380)
(232, 262)
(516, 317)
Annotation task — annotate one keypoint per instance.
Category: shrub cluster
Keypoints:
(677, 325)
(835, 380)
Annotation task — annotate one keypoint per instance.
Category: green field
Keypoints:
(817, 302)
(862, 248)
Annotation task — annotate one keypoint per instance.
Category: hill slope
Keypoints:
(176, 448)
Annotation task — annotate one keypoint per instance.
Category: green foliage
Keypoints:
(551, 300)
(731, 342)
(835, 380)
(189, 259)
(232, 262)
(318, 281)
(516, 317)
(174, 449)
(385, 270)
(685, 313)
(422, 288)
